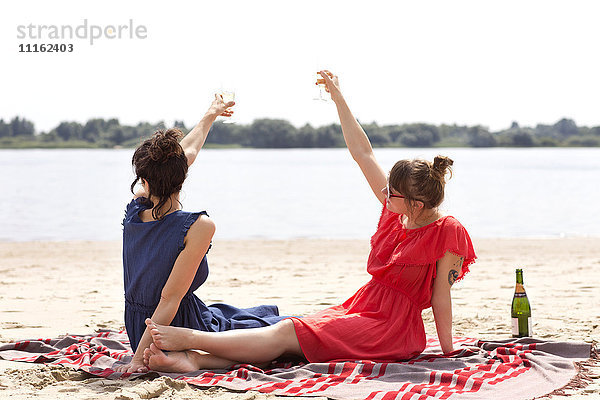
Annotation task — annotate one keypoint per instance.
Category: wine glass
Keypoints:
(227, 95)
(322, 93)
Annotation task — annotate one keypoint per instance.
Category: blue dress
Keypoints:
(149, 253)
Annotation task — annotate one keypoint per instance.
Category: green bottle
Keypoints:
(520, 310)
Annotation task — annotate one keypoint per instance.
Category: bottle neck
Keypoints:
(519, 286)
(519, 277)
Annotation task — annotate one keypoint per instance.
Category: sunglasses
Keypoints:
(389, 194)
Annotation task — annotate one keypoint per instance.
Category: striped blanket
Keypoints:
(500, 369)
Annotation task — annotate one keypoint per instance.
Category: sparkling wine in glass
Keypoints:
(321, 94)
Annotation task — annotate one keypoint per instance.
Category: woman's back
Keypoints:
(149, 253)
(150, 250)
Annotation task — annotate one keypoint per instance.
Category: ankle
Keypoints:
(195, 338)
(194, 358)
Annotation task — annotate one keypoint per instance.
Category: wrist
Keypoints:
(447, 347)
(211, 113)
(339, 100)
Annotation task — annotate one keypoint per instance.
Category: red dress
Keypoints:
(382, 320)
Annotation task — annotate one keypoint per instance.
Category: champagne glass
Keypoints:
(322, 93)
(227, 95)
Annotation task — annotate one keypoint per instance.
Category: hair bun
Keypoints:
(164, 145)
(441, 166)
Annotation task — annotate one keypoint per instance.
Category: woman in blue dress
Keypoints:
(164, 248)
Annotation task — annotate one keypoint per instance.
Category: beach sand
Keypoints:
(50, 289)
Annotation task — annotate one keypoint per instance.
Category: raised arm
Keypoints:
(356, 139)
(196, 243)
(194, 140)
(448, 269)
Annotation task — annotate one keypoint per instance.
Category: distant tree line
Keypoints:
(276, 133)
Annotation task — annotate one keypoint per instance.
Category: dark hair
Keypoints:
(421, 180)
(160, 161)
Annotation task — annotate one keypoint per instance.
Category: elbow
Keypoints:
(441, 297)
(442, 307)
(356, 156)
(169, 298)
(438, 301)
(361, 156)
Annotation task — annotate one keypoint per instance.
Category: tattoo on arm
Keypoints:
(453, 273)
(452, 276)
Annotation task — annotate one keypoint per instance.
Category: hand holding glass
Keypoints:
(227, 96)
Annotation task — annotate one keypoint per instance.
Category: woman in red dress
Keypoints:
(416, 256)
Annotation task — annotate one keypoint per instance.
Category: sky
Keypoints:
(466, 62)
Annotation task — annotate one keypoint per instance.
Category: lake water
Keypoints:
(300, 193)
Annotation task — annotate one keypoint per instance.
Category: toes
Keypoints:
(155, 350)
(147, 354)
(156, 340)
(149, 350)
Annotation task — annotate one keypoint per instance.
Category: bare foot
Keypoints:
(170, 337)
(147, 354)
(176, 361)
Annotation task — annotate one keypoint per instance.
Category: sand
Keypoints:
(50, 289)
